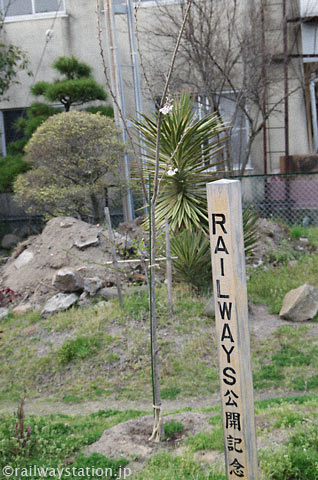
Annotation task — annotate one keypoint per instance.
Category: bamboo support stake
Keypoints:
(231, 314)
(111, 237)
(169, 267)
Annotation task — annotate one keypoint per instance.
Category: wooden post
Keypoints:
(169, 266)
(112, 243)
(231, 314)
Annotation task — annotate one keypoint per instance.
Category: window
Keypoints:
(13, 8)
(233, 115)
(8, 131)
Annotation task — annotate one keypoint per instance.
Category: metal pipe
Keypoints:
(286, 103)
(264, 91)
(117, 87)
(134, 58)
(314, 112)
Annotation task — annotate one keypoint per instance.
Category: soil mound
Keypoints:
(64, 242)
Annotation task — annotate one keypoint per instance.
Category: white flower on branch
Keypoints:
(172, 171)
(167, 108)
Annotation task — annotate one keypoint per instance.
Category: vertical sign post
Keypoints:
(231, 314)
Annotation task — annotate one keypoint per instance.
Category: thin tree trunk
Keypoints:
(169, 267)
(111, 237)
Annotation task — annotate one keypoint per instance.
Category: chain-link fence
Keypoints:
(292, 198)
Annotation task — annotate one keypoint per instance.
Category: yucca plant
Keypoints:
(188, 148)
(251, 235)
(192, 249)
(193, 262)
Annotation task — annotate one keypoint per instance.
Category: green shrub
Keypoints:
(10, 167)
(108, 110)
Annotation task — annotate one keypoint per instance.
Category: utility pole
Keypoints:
(117, 87)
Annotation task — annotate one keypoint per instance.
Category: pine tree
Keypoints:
(76, 87)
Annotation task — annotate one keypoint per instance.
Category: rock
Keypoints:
(23, 259)
(108, 293)
(84, 300)
(31, 329)
(92, 285)
(67, 280)
(89, 242)
(66, 224)
(4, 312)
(209, 309)
(300, 304)
(61, 301)
(9, 241)
(101, 304)
(22, 309)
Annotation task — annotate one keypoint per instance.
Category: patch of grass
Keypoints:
(216, 420)
(297, 400)
(170, 393)
(207, 440)
(296, 232)
(303, 384)
(282, 255)
(311, 233)
(291, 356)
(267, 375)
(54, 438)
(288, 418)
(72, 399)
(172, 428)
(112, 357)
(78, 348)
(167, 467)
(298, 459)
(290, 464)
(270, 286)
(114, 468)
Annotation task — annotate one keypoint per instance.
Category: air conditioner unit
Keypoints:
(308, 8)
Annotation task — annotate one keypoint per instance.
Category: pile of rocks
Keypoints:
(69, 262)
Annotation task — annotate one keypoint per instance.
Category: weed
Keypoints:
(99, 463)
(78, 348)
(207, 440)
(172, 428)
(7, 296)
(296, 232)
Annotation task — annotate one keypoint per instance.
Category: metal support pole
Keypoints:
(117, 87)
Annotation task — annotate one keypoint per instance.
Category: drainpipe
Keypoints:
(314, 112)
